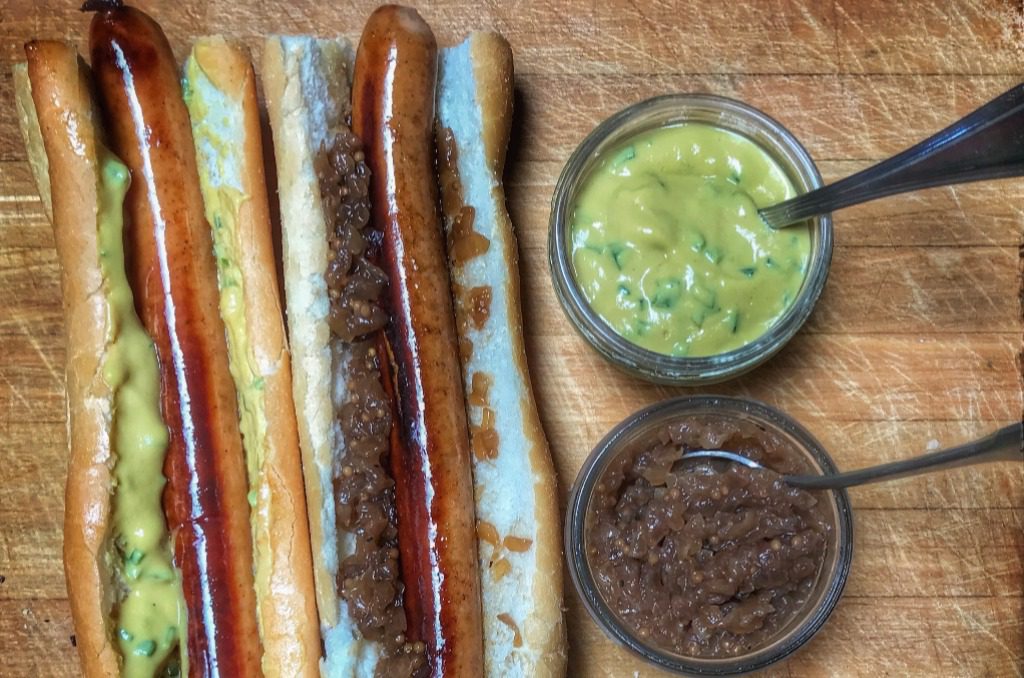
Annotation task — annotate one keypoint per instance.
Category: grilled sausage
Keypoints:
(172, 271)
(393, 113)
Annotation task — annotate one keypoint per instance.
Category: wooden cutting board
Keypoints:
(914, 344)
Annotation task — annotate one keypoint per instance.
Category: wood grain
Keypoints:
(914, 344)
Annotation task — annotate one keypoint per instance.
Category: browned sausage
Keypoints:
(393, 114)
(172, 272)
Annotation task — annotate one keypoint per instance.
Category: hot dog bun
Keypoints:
(306, 85)
(220, 92)
(114, 425)
(516, 490)
(64, 103)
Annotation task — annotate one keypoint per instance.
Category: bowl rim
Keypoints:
(606, 619)
(679, 108)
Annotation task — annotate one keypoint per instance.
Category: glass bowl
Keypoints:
(642, 427)
(666, 111)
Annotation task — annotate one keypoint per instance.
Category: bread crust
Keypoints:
(70, 132)
(545, 631)
(304, 245)
(285, 592)
(543, 650)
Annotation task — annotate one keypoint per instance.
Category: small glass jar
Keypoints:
(665, 111)
(641, 428)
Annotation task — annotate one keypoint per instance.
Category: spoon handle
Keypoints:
(986, 144)
(1006, 444)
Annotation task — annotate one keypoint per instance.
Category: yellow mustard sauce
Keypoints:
(669, 250)
(150, 610)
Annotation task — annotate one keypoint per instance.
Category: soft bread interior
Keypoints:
(516, 491)
(307, 89)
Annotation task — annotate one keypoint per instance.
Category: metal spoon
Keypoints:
(986, 144)
(1006, 444)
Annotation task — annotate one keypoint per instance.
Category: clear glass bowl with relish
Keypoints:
(657, 253)
(641, 559)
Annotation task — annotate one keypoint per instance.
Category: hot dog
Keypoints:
(394, 87)
(377, 382)
(161, 578)
(373, 395)
(410, 333)
(125, 595)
